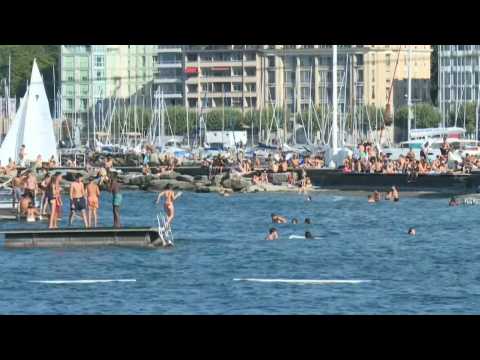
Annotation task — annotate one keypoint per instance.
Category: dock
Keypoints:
(80, 237)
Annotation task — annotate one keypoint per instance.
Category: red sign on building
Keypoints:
(191, 70)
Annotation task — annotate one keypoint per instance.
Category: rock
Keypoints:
(218, 179)
(187, 178)
(281, 178)
(171, 175)
(237, 183)
(209, 189)
(160, 184)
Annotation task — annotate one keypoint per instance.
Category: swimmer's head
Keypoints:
(307, 221)
(308, 235)
(294, 221)
(411, 231)
(272, 215)
(272, 230)
(168, 187)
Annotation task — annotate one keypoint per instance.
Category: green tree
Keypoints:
(21, 66)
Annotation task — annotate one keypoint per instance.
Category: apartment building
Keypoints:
(93, 73)
(169, 75)
(222, 75)
(458, 76)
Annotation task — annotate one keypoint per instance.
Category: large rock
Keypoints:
(281, 178)
(160, 184)
(218, 179)
(171, 175)
(187, 178)
(237, 183)
(70, 175)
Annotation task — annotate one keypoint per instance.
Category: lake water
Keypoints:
(221, 239)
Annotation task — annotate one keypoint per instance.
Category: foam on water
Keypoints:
(304, 281)
(85, 281)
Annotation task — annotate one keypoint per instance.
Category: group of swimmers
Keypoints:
(392, 194)
(278, 219)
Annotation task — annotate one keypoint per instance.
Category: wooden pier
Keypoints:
(76, 237)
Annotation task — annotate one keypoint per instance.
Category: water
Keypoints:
(221, 239)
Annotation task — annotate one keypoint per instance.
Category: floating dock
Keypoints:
(75, 237)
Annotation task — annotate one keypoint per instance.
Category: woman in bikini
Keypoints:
(52, 194)
(170, 197)
(93, 193)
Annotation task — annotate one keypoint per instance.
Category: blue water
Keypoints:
(219, 239)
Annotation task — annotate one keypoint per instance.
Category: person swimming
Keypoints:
(371, 199)
(272, 234)
(395, 194)
(453, 201)
(308, 235)
(277, 219)
(412, 231)
(308, 221)
(309, 198)
(295, 221)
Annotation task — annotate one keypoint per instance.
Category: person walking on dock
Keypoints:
(93, 194)
(116, 200)
(78, 199)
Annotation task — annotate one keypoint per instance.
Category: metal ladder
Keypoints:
(164, 231)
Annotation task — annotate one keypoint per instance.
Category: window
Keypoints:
(83, 104)
(236, 101)
(69, 75)
(99, 75)
(99, 61)
(304, 93)
(373, 92)
(251, 87)
(237, 87)
(359, 59)
(192, 88)
(387, 59)
(68, 62)
(236, 71)
(250, 56)
(69, 104)
(305, 76)
(192, 103)
(68, 90)
(236, 56)
(305, 61)
(250, 71)
(83, 62)
(84, 75)
(271, 77)
(271, 93)
(84, 90)
(192, 57)
(271, 61)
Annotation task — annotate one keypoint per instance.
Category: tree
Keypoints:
(21, 66)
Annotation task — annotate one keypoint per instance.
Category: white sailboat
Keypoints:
(32, 126)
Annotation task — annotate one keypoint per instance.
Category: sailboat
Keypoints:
(32, 125)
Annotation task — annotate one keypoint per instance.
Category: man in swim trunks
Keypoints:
(31, 185)
(272, 234)
(93, 193)
(170, 197)
(24, 203)
(77, 199)
(277, 219)
(17, 185)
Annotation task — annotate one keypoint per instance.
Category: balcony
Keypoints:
(169, 48)
(169, 64)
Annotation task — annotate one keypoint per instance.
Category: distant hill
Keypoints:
(21, 66)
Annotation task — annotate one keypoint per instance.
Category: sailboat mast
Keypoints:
(334, 100)
(409, 90)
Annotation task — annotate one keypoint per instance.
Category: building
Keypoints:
(420, 92)
(387, 63)
(222, 75)
(169, 75)
(94, 73)
(458, 77)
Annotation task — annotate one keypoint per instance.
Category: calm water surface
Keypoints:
(220, 239)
